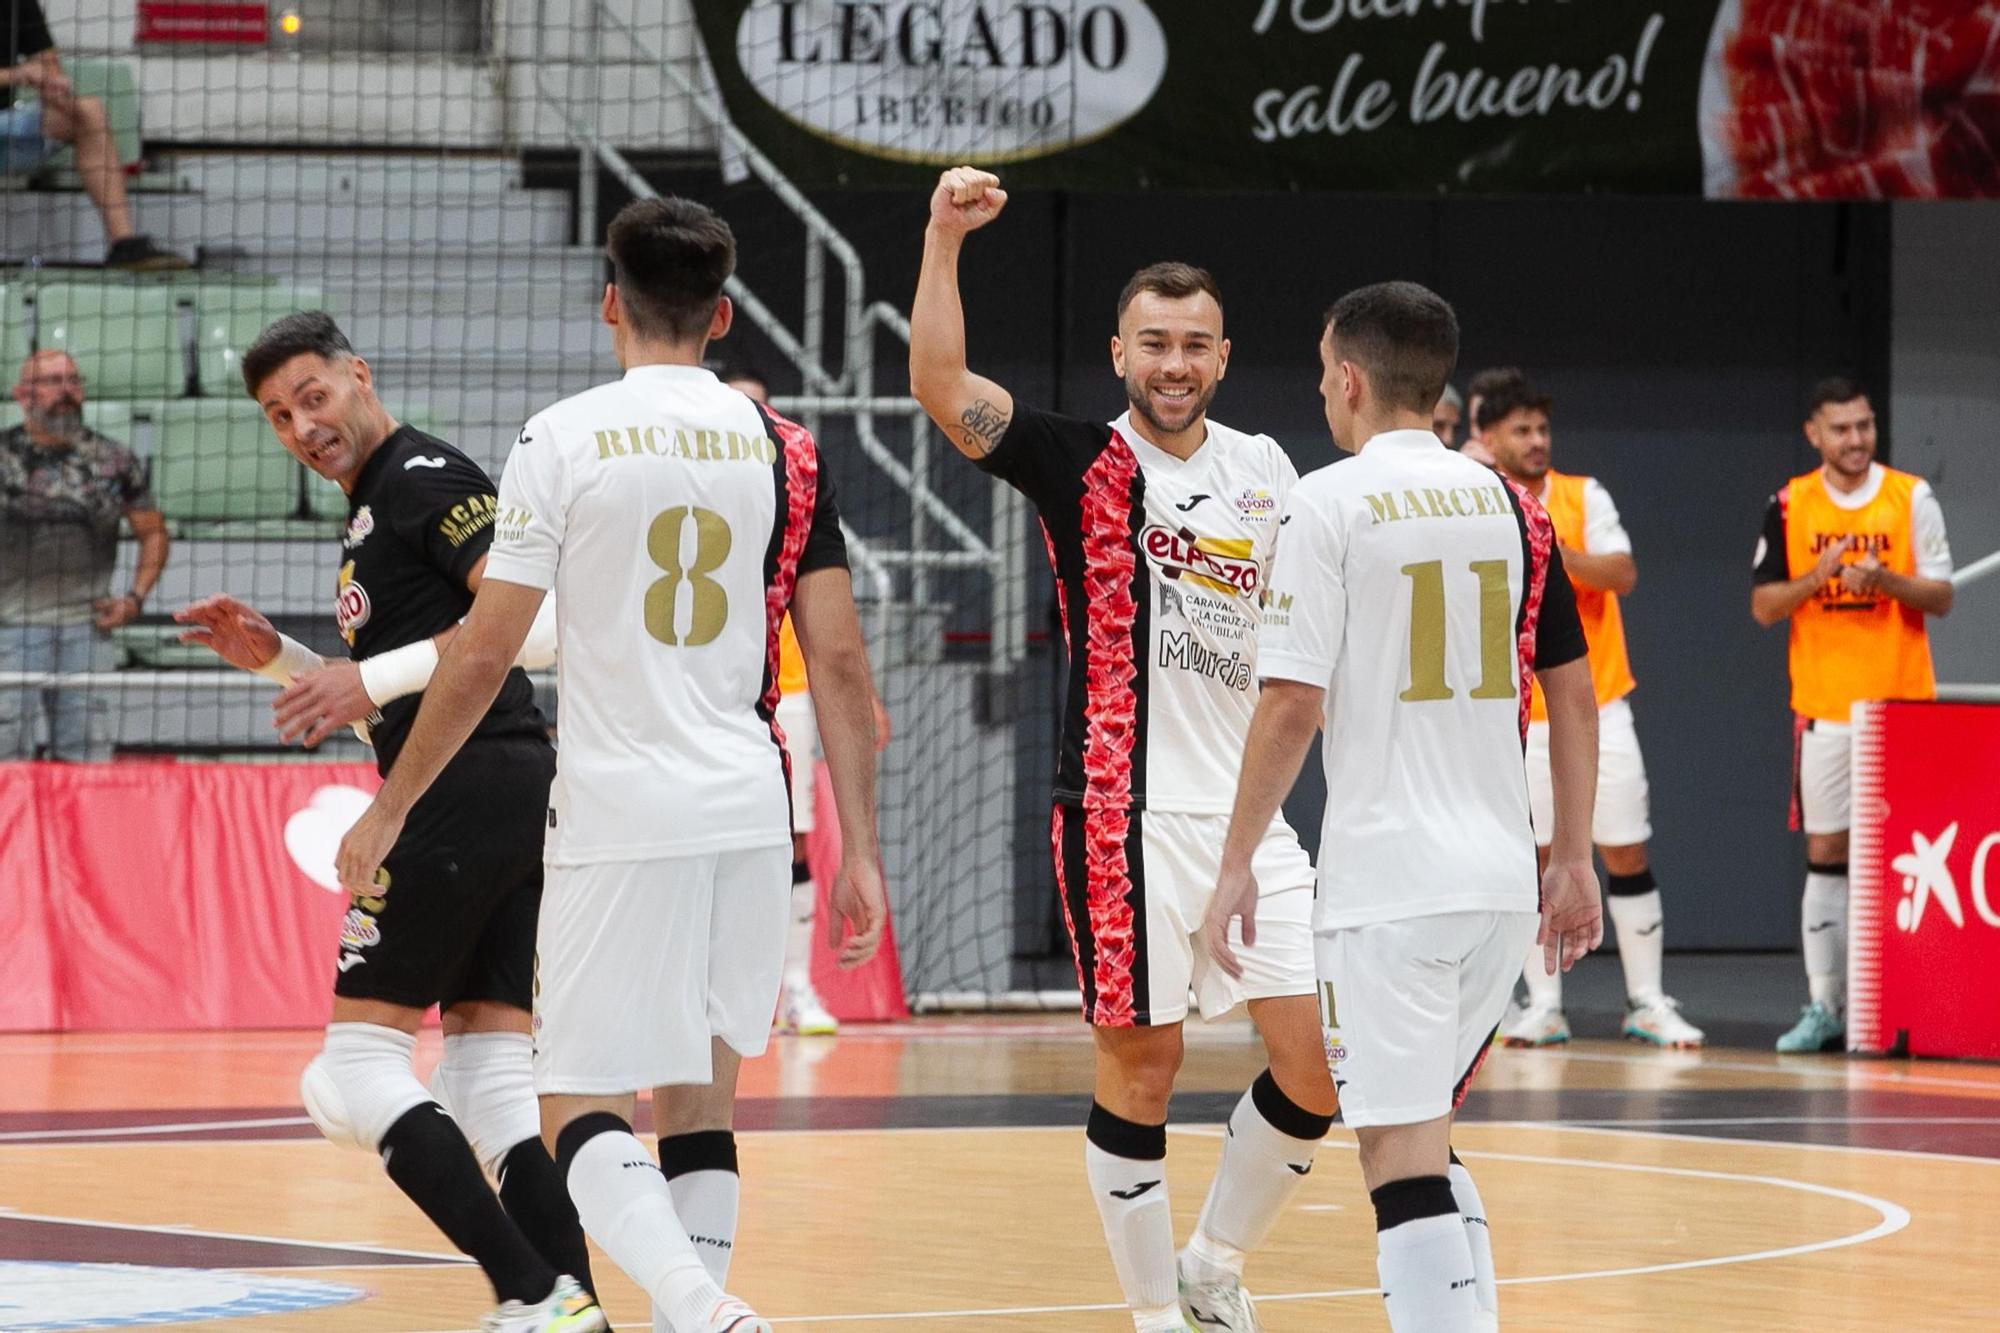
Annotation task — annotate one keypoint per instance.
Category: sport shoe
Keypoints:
(1534, 1025)
(138, 254)
(803, 1013)
(733, 1316)
(1216, 1307)
(1659, 1022)
(567, 1308)
(1817, 1030)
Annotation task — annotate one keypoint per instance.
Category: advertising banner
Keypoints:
(1795, 99)
(1923, 962)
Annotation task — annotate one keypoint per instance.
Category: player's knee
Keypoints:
(90, 113)
(361, 1083)
(486, 1081)
(1626, 863)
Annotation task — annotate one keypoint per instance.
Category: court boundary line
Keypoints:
(203, 1233)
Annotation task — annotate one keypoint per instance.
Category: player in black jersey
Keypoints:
(453, 920)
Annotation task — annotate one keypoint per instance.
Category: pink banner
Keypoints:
(873, 991)
(1924, 915)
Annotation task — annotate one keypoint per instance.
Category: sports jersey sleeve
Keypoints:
(1305, 607)
(1770, 564)
(1044, 456)
(447, 512)
(534, 509)
(1559, 634)
(1927, 518)
(826, 545)
(1603, 533)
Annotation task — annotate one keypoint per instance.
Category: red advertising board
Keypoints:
(183, 21)
(163, 896)
(1923, 963)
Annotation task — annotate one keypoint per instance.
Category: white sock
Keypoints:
(1131, 1194)
(1641, 942)
(700, 1168)
(627, 1209)
(1261, 1171)
(1428, 1282)
(1824, 931)
(798, 939)
(1545, 988)
(1479, 1239)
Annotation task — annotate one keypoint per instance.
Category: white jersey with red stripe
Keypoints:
(671, 517)
(1160, 562)
(1420, 590)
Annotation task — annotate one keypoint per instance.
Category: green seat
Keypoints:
(227, 319)
(16, 323)
(216, 459)
(126, 337)
(159, 647)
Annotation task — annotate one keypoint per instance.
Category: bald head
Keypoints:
(50, 392)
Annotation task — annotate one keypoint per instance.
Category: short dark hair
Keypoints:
(308, 331)
(1510, 396)
(740, 370)
(1171, 279)
(1489, 381)
(670, 259)
(1404, 335)
(1832, 390)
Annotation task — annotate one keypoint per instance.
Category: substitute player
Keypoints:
(1414, 595)
(1855, 555)
(451, 921)
(1160, 527)
(675, 521)
(1597, 553)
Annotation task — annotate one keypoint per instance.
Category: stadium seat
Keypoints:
(216, 460)
(125, 337)
(228, 319)
(16, 322)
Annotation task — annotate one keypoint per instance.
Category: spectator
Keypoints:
(63, 488)
(30, 133)
(1446, 415)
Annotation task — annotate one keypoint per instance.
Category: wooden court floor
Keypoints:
(928, 1177)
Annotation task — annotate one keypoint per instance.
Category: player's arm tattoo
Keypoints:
(981, 427)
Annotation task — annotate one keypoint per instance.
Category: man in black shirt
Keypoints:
(452, 921)
(28, 134)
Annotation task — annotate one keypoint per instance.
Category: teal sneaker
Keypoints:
(1817, 1030)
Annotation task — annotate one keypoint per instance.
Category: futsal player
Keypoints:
(1597, 555)
(1160, 527)
(451, 919)
(1415, 595)
(1855, 555)
(675, 521)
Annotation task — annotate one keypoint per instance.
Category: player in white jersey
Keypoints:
(675, 521)
(1413, 595)
(1160, 527)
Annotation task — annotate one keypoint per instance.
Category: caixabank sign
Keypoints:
(1799, 99)
(1924, 897)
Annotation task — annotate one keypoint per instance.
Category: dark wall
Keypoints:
(1679, 338)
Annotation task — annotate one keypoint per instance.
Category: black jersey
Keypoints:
(419, 518)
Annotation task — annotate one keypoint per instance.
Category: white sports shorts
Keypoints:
(638, 964)
(1624, 815)
(1410, 1008)
(1136, 890)
(801, 727)
(1826, 777)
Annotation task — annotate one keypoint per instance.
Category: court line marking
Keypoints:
(125, 1131)
(205, 1234)
(1597, 1127)
(1847, 1071)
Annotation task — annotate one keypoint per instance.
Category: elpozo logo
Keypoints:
(944, 81)
(1927, 878)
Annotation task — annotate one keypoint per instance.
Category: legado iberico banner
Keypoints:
(1796, 99)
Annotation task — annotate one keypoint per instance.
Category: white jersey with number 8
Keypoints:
(671, 517)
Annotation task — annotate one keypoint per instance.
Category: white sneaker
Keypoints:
(1216, 1307)
(566, 1309)
(1534, 1025)
(733, 1316)
(803, 1013)
(1659, 1022)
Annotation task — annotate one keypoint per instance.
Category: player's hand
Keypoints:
(965, 200)
(1863, 576)
(111, 612)
(1572, 915)
(319, 703)
(860, 907)
(881, 723)
(1235, 896)
(365, 847)
(232, 630)
(50, 83)
(1827, 567)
